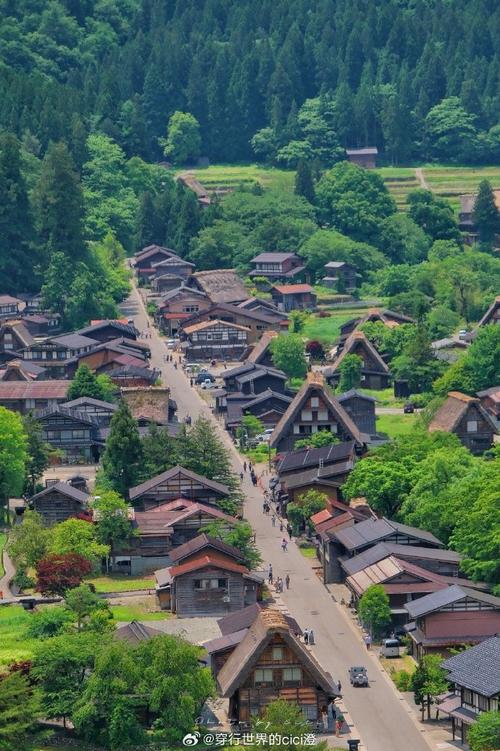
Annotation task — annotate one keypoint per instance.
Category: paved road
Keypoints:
(380, 715)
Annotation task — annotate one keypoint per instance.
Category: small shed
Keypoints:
(366, 157)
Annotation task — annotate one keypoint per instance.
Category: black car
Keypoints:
(409, 408)
(202, 377)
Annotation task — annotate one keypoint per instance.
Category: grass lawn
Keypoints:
(224, 176)
(121, 583)
(3, 540)
(137, 613)
(308, 552)
(14, 646)
(395, 425)
(326, 330)
(384, 397)
(393, 664)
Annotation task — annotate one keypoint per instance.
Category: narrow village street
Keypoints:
(378, 713)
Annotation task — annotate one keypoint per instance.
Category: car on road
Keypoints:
(171, 343)
(358, 676)
(265, 436)
(208, 384)
(409, 408)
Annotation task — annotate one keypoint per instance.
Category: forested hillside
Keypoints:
(418, 78)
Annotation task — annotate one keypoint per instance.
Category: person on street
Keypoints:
(279, 584)
(284, 545)
(311, 636)
(273, 520)
(306, 636)
(270, 573)
(244, 466)
(368, 640)
(339, 722)
(281, 526)
(289, 530)
(287, 581)
(332, 715)
(339, 687)
(241, 476)
(324, 718)
(264, 507)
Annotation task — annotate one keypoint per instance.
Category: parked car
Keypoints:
(171, 343)
(462, 334)
(265, 436)
(409, 408)
(202, 377)
(208, 384)
(358, 676)
(391, 648)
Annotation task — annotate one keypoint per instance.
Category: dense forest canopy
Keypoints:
(381, 69)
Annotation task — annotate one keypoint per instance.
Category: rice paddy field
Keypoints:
(222, 178)
(451, 182)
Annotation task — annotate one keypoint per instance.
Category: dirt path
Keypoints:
(419, 173)
(10, 572)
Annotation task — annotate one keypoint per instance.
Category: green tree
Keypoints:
(308, 504)
(37, 450)
(318, 440)
(240, 535)
(29, 541)
(288, 355)
(374, 610)
(382, 483)
(159, 450)
(429, 681)
(84, 384)
(433, 215)
(478, 369)
(83, 602)
(59, 205)
(47, 623)
(78, 536)
(286, 719)
(19, 710)
(484, 734)
(123, 455)
(183, 142)
(18, 257)
(417, 363)
(304, 185)
(252, 425)
(13, 458)
(449, 130)
(112, 525)
(329, 245)
(125, 732)
(486, 215)
(61, 666)
(350, 372)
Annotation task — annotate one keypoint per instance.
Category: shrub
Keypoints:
(402, 679)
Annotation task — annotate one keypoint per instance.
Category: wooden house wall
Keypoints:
(329, 490)
(178, 487)
(258, 385)
(321, 418)
(190, 602)
(480, 439)
(362, 413)
(56, 507)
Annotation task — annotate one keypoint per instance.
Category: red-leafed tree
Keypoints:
(57, 573)
(315, 349)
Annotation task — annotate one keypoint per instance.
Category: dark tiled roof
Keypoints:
(73, 341)
(306, 458)
(170, 474)
(123, 328)
(383, 549)
(135, 632)
(373, 530)
(272, 257)
(65, 489)
(355, 394)
(82, 401)
(477, 668)
(204, 541)
(224, 642)
(445, 597)
(61, 409)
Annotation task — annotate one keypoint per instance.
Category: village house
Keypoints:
(75, 435)
(40, 325)
(249, 379)
(260, 352)
(158, 532)
(144, 259)
(255, 321)
(314, 408)
(466, 220)
(354, 538)
(10, 307)
(58, 501)
(490, 400)
(177, 306)
(450, 348)
(214, 340)
(190, 181)
(437, 560)
(261, 305)
(290, 297)
(174, 265)
(220, 285)
(110, 356)
(207, 578)
(388, 317)
(375, 373)
(134, 376)
(451, 618)
(466, 417)
(177, 483)
(134, 633)
(54, 353)
(271, 663)
(22, 370)
(14, 336)
(402, 581)
(341, 276)
(267, 406)
(361, 409)
(98, 411)
(279, 267)
(109, 330)
(26, 396)
(492, 315)
(475, 675)
(366, 157)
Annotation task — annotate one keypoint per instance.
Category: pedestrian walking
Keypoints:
(368, 640)
(284, 545)
(324, 718)
(244, 466)
(339, 722)
(273, 520)
(281, 526)
(241, 476)
(264, 507)
(287, 581)
(311, 636)
(250, 466)
(279, 584)
(306, 636)
(270, 573)
(289, 530)
(332, 715)
(339, 687)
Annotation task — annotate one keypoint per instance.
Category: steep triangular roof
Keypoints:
(203, 542)
(260, 349)
(355, 340)
(65, 489)
(316, 383)
(268, 623)
(454, 409)
(488, 316)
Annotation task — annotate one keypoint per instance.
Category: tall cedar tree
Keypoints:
(85, 383)
(486, 215)
(60, 208)
(122, 460)
(17, 259)
(13, 458)
(304, 185)
(38, 452)
(19, 711)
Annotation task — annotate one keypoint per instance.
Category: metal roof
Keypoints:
(306, 458)
(448, 596)
(383, 549)
(272, 257)
(73, 341)
(169, 475)
(33, 390)
(65, 489)
(372, 530)
(477, 668)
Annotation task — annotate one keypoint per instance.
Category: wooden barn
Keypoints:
(290, 297)
(271, 663)
(466, 417)
(58, 501)
(375, 373)
(366, 157)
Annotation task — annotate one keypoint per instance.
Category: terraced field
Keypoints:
(222, 178)
(399, 181)
(451, 182)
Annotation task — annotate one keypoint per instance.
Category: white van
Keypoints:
(390, 648)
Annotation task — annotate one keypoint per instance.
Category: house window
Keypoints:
(277, 653)
(310, 711)
(471, 426)
(306, 415)
(263, 677)
(210, 583)
(292, 676)
(482, 703)
(323, 414)
(314, 401)
(79, 433)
